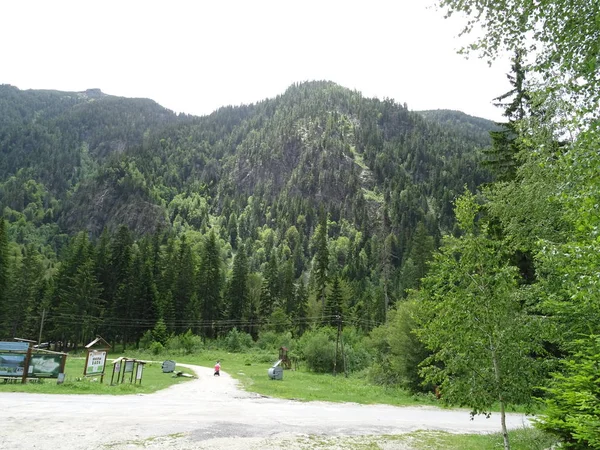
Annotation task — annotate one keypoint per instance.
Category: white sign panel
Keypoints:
(96, 361)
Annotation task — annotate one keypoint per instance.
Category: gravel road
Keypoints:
(212, 412)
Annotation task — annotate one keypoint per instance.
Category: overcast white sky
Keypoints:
(195, 56)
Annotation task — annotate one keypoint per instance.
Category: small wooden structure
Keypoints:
(284, 358)
(123, 366)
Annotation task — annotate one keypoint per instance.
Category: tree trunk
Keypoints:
(503, 421)
(502, 407)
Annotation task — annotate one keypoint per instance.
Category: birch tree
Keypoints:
(472, 318)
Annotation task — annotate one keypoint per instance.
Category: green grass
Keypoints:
(522, 439)
(153, 379)
(251, 371)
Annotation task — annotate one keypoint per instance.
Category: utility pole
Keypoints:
(41, 326)
(343, 354)
(337, 341)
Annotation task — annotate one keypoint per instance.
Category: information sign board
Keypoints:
(12, 364)
(45, 366)
(128, 366)
(14, 346)
(95, 363)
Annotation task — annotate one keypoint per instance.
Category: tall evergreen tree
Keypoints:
(210, 280)
(3, 275)
(25, 298)
(334, 305)
(321, 262)
(269, 297)
(237, 291)
(301, 313)
(121, 287)
(185, 284)
(502, 155)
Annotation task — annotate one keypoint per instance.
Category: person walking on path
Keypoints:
(218, 369)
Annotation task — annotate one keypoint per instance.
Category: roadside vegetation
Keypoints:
(153, 380)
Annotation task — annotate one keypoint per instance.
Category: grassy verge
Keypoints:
(153, 379)
(251, 370)
(522, 439)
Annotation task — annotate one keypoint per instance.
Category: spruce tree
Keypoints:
(321, 262)
(502, 155)
(210, 283)
(237, 292)
(3, 273)
(334, 304)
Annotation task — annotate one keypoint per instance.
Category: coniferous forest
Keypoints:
(456, 253)
(119, 213)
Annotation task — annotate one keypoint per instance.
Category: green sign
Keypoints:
(12, 365)
(45, 366)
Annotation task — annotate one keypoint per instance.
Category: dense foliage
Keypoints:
(315, 207)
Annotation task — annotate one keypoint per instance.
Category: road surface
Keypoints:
(211, 412)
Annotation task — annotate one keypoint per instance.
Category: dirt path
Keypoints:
(209, 412)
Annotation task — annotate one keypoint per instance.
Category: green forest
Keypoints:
(456, 254)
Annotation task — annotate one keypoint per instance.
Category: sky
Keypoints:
(196, 56)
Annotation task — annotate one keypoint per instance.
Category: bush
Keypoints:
(185, 343)
(146, 340)
(237, 341)
(317, 349)
(397, 351)
(159, 333)
(270, 340)
(573, 402)
(156, 348)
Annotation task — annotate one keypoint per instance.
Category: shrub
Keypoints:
(159, 333)
(270, 340)
(185, 343)
(237, 341)
(146, 340)
(317, 348)
(156, 348)
(573, 403)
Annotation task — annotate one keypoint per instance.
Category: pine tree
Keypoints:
(121, 286)
(209, 283)
(301, 313)
(25, 295)
(332, 313)
(501, 157)
(288, 288)
(237, 291)
(269, 297)
(185, 284)
(321, 262)
(4, 271)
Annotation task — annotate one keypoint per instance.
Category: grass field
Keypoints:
(523, 439)
(251, 371)
(153, 379)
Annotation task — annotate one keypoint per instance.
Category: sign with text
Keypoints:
(12, 364)
(14, 346)
(129, 366)
(45, 366)
(95, 363)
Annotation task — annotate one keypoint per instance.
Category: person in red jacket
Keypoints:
(217, 369)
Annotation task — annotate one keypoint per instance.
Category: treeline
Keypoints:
(209, 283)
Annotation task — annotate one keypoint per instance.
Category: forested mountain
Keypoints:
(253, 185)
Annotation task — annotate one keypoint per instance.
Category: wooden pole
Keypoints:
(41, 326)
